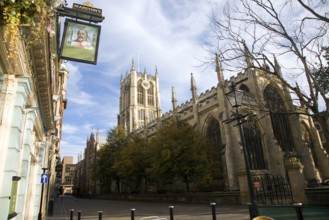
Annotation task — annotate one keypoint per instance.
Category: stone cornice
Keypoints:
(41, 64)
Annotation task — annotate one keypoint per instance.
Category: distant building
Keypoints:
(68, 173)
(68, 170)
(83, 174)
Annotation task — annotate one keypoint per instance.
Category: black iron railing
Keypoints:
(272, 190)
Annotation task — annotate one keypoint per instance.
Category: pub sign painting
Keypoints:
(80, 41)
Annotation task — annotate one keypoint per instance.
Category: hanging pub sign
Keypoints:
(80, 41)
(86, 8)
(82, 12)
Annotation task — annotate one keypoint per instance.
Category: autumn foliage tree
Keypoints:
(132, 163)
(103, 168)
(177, 153)
(180, 153)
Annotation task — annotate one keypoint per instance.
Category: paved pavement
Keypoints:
(121, 210)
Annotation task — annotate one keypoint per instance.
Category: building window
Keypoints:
(254, 145)
(213, 135)
(141, 117)
(244, 88)
(247, 95)
(141, 114)
(126, 97)
(140, 93)
(151, 115)
(150, 95)
(280, 120)
(126, 123)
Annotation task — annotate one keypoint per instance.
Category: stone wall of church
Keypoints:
(213, 104)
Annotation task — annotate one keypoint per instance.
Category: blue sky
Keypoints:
(169, 35)
(166, 34)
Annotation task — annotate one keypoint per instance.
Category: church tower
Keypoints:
(139, 99)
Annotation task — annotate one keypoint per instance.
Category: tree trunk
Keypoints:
(187, 183)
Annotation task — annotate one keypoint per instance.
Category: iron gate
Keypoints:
(272, 190)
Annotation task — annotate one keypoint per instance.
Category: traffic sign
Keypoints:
(44, 178)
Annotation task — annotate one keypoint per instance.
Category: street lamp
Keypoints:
(234, 97)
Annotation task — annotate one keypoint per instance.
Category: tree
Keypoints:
(316, 14)
(180, 152)
(294, 31)
(133, 162)
(107, 156)
(321, 74)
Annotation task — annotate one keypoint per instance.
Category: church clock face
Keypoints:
(146, 84)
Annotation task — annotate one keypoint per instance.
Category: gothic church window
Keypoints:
(213, 134)
(140, 93)
(126, 96)
(150, 95)
(244, 88)
(141, 117)
(247, 95)
(151, 115)
(254, 145)
(127, 121)
(280, 120)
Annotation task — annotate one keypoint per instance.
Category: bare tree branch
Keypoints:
(317, 15)
(281, 29)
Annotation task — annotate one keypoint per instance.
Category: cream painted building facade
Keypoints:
(32, 102)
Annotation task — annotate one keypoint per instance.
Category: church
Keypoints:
(278, 142)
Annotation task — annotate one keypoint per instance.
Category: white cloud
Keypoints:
(70, 129)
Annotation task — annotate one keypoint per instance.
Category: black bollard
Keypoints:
(71, 214)
(298, 208)
(132, 214)
(171, 211)
(213, 210)
(79, 215)
(100, 214)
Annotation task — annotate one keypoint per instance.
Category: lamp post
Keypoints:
(235, 96)
(44, 180)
